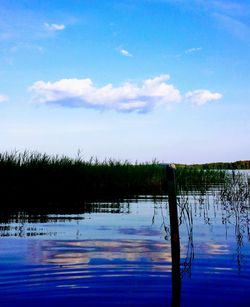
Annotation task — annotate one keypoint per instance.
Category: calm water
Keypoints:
(120, 255)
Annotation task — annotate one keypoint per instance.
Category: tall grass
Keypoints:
(193, 178)
(33, 178)
(38, 177)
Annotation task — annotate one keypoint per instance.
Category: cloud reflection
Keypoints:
(215, 249)
(102, 252)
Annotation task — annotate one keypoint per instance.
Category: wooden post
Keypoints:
(174, 231)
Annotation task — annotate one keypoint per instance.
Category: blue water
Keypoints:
(120, 255)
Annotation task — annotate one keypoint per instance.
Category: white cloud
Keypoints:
(54, 26)
(201, 97)
(3, 98)
(125, 98)
(128, 97)
(125, 52)
(192, 50)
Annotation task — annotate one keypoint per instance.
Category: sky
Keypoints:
(134, 80)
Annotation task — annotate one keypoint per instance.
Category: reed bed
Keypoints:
(33, 179)
(191, 178)
(31, 176)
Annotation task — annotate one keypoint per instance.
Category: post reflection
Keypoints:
(175, 238)
(98, 251)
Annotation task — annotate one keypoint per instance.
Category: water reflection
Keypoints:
(102, 252)
(89, 273)
(64, 215)
(186, 218)
(129, 253)
(235, 201)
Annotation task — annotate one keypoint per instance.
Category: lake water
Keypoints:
(120, 255)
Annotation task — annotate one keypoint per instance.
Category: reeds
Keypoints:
(36, 179)
(191, 178)
(52, 179)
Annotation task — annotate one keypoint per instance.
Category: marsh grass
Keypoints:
(31, 176)
(31, 179)
(236, 189)
(194, 179)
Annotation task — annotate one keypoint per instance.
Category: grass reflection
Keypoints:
(230, 202)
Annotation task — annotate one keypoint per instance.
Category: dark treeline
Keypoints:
(31, 179)
(240, 165)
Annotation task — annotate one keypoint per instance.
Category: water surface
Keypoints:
(119, 254)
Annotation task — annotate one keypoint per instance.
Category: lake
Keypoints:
(119, 254)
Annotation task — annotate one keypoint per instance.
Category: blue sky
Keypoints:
(136, 80)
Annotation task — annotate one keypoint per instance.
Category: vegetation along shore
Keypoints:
(33, 180)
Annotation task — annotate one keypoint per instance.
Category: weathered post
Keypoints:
(174, 231)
